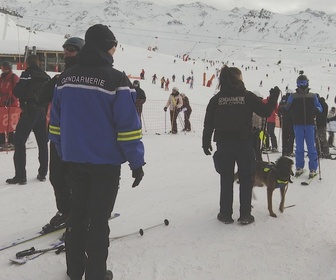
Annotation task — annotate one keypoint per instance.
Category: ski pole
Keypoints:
(143, 119)
(33, 251)
(141, 231)
(7, 130)
(263, 140)
(289, 206)
(165, 222)
(165, 121)
(319, 150)
(181, 122)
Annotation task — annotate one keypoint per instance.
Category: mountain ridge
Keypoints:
(145, 24)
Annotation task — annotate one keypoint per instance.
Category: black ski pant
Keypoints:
(32, 118)
(173, 118)
(228, 153)
(331, 138)
(271, 133)
(322, 142)
(187, 125)
(59, 179)
(94, 190)
(287, 136)
(10, 138)
(256, 142)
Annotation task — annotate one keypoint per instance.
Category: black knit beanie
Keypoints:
(100, 36)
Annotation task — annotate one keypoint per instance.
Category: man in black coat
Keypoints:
(140, 97)
(321, 125)
(286, 126)
(32, 118)
(58, 169)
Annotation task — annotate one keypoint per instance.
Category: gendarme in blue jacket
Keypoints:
(93, 117)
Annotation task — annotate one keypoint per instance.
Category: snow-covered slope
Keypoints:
(188, 26)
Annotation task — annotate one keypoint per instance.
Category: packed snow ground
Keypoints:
(181, 185)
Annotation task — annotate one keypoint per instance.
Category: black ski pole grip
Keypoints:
(25, 252)
(60, 249)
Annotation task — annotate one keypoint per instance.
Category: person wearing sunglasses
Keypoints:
(95, 127)
(303, 106)
(58, 169)
(71, 48)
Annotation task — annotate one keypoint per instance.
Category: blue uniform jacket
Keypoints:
(93, 116)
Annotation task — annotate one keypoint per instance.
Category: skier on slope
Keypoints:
(175, 103)
(140, 97)
(186, 109)
(303, 106)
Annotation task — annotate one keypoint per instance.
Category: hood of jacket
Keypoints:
(91, 56)
(233, 89)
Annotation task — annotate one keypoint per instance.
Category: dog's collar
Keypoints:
(280, 183)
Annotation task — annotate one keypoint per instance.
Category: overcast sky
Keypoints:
(277, 6)
(282, 7)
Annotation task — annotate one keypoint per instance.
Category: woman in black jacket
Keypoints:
(229, 116)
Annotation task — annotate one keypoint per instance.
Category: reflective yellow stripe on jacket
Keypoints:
(130, 135)
(55, 130)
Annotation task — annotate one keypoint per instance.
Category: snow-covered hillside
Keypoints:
(195, 26)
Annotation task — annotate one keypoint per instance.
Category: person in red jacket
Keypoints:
(271, 127)
(8, 80)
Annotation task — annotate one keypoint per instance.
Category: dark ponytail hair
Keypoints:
(230, 77)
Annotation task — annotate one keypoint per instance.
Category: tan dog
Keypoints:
(273, 175)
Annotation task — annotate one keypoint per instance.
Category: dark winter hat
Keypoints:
(76, 42)
(136, 83)
(100, 36)
(302, 82)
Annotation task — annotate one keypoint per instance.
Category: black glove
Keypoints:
(207, 148)
(274, 93)
(137, 174)
(165, 109)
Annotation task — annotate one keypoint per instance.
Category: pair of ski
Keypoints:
(27, 255)
(32, 253)
(308, 181)
(58, 246)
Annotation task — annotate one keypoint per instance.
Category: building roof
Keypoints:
(14, 38)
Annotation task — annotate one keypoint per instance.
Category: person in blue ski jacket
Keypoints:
(96, 128)
(303, 106)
